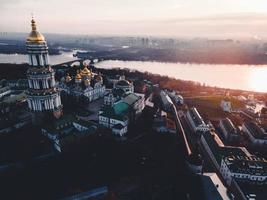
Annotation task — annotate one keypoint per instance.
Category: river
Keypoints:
(21, 58)
(243, 77)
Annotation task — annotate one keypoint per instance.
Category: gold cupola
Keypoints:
(35, 37)
(86, 72)
(78, 77)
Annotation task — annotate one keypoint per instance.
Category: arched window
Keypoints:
(41, 84)
(43, 105)
(55, 103)
(44, 60)
(31, 60)
(49, 83)
(37, 59)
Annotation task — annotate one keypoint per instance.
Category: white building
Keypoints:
(196, 121)
(124, 84)
(226, 105)
(256, 135)
(251, 170)
(110, 99)
(84, 83)
(118, 115)
(119, 129)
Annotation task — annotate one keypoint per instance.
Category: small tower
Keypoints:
(78, 78)
(42, 96)
(109, 99)
(226, 105)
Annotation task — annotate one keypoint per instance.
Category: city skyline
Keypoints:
(172, 18)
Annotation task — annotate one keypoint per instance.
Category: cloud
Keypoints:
(233, 17)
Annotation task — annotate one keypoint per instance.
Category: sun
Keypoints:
(258, 79)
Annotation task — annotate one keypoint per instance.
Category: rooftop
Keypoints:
(117, 111)
(196, 116)
(256, 130)
(218, 148)
(247, 165)
(166, 100)
(64, 125)
(229, 126)
(131, 98)
(123, 83)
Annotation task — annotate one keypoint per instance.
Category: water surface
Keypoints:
(244, 77)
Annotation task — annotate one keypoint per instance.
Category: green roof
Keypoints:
(117, 111)
(120, 108)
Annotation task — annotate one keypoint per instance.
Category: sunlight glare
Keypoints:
(258, 79)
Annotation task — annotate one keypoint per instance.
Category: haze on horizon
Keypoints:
(191, 18)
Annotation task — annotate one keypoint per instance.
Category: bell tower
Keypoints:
(43, 96)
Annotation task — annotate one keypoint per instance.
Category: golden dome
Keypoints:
(78, 76)
(35, 36)
(68, 78)
(86, 72)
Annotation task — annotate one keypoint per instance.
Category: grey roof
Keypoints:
(229, 126)
(123, 83)
(196, 116)
(256, 130)
(219, 150)
(131, 98)
(166, 100)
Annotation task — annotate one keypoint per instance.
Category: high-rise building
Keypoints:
(43, 97)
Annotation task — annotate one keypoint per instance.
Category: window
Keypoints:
(54, 102)
(40, 84)
(44, 59)
(31, 60)
(43, 105)
(37, 59)
(49, 83)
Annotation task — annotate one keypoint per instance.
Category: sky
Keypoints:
(228, 18)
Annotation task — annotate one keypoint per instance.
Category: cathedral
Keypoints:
(84, 83)
(43, 96)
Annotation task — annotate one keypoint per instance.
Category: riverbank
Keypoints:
(165, 77)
